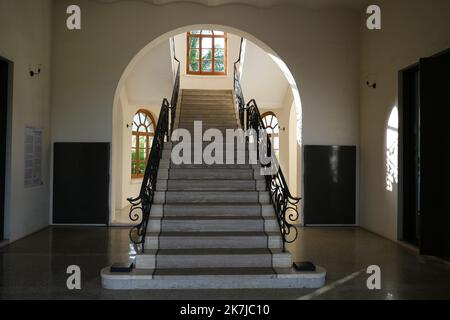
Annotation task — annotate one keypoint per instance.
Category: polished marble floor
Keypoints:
(35, 267)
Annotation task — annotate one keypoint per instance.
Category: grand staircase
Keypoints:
(211, 226)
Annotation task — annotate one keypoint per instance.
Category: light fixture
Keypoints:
(35, 70)
(372, 85)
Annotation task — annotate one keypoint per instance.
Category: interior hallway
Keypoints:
(35, 267)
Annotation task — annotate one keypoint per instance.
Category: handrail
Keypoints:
(238, 90)
(284, 203)
(144, 201)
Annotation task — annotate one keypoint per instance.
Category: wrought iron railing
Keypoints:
(238, 90)
(142, 205)
(284, 204)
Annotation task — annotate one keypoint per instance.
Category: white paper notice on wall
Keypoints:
(33, 157)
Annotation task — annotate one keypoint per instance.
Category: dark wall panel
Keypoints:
(329, 185)
(81, 183)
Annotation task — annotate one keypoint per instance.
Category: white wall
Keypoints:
(411, 29)
(147, 84)
(190, 81)
(128, 187)
(25, 39)
(262, 79)
(320, 47)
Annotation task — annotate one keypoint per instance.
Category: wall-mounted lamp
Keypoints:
(372, 85)
(36, 70)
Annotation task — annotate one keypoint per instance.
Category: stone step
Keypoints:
(204, 115)
(213, 278)
(208, 173)
(227, 123)
(204, 240)
(207, 113)
(203, 92)
(231, 258)
(210, 185)
(227, 97)
(216, 209)
(206, 166)
(213, 258)
(210, 197)
(212, 108)
(215, 185)
(212, 224)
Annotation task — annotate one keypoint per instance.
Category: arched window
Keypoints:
(392, 150)
(207, 52)
(273, 130)
(142, 138)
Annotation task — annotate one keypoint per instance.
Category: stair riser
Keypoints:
(210, 185)
(214, 261)
(226, 123)
(211, 197)
(209, 102)
(206, 116)
(223, 210)
(206, 166)
(225, 242)
(199, 174)
(214, 185)
(225, 97)
(212, 226)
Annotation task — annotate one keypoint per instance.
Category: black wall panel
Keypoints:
(329, 185)
(81, 183)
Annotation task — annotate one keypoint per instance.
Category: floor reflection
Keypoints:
(35, 267)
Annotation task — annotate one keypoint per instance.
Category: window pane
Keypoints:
(142, 142)
(133, 168)
(219, 54)
(194, 54)
(134, 127)
(136, 118)
(194, 66)
(206, 31)
(151, 129)
(206, 66)
(207, 43)
(194, 42)
(276, 143)
(141, 168)
(142, 128)
(133, 154)
(219, 66)
(195, 32)
(133, 141)
(219, 33)
(206, 54)
(142, 154)
(142, 118)
(219, 43)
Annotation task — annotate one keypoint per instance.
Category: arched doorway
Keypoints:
(115, 186)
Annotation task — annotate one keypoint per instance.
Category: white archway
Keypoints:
(165, 37)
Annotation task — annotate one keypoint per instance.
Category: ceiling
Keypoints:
(353, 4)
